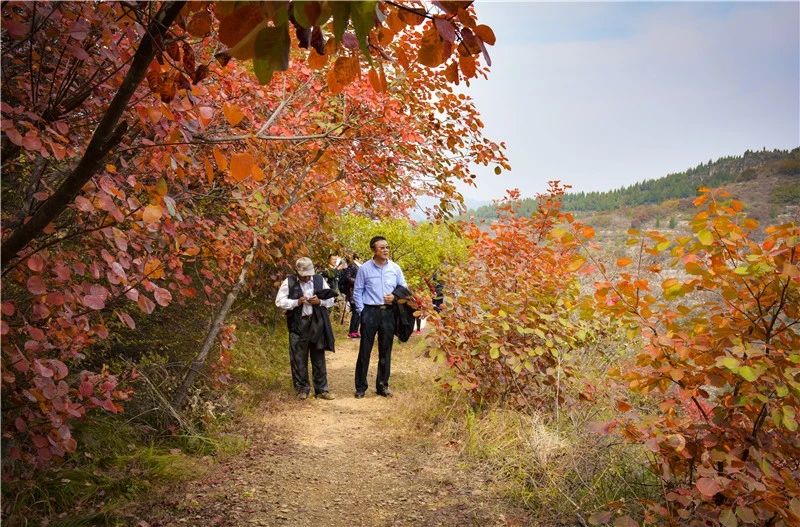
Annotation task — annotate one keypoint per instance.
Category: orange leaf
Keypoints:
(209, 169)
(200, 24)
(316, 61)
(451, 72)
(222, 162)
(233, 114)
(151, 214)
(346, 69)
(375, 81)
(430, 49)
(241, 166)
(622, 406)
(622, 262)
(467, 64)
(153, 269)
(257, 173)
(486, 34)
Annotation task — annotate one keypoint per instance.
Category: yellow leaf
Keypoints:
(233, 114)
(153, 269)
(241, 166)
(576, 264)
(161, 187)
(151, 214)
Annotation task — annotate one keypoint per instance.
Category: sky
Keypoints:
(601, 95)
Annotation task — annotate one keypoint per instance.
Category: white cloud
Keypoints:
(654, 91)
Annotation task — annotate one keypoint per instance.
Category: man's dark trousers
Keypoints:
(375, 320)
(298, 358)
(354, 317)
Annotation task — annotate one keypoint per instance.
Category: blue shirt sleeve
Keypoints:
(401, 280)
(358, 290)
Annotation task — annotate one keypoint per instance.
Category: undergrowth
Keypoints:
(122, 458)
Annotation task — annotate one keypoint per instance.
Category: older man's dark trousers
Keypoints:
(375, 320)
(299, 351)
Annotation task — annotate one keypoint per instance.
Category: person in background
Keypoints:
(372, 294)
(332, 272)
(347, 281)
(297, 297)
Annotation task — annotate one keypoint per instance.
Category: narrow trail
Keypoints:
(340, 463)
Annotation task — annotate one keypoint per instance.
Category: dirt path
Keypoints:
(340, 463)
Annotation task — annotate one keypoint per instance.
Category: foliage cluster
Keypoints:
(144, 168)
(712, 392)
(421, 249)
(511, 324)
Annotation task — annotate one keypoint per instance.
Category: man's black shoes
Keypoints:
(359, 395)
(385, 393)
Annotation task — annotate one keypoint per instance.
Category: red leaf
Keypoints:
(36, 263)
(707, 486)
(86, 389)
(126, 319)
(31, 141)
(145, 304)
(162, 296)
(8, 309)
(84, 204)
(60, 369)
(109, 405)
(41, 369)
(94, 302)
(36, 285)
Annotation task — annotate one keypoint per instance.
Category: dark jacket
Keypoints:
(403, 312)
(321, 330)
(320, 327)
(347, 280)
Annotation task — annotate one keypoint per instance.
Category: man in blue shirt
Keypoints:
(372, 296)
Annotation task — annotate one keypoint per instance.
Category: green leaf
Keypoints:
(363, 18)
(663, 245)
(341, 16)
(705, 237)
(741, 270)
(306, 13)
(789, 419)
(730, 362)
(271, 52)
(748, 373)
(728, 518)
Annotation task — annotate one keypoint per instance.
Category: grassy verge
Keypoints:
(559, 470)
(123, 458)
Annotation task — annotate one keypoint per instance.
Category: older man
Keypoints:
(373, 298)
(298, 298)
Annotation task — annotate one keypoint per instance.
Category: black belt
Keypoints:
(378, 306)
(306, 316)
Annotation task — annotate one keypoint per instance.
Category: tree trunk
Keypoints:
(107, 135)
(211, 337)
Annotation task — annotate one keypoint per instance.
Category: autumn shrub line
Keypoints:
(708, 385)
(146, 169)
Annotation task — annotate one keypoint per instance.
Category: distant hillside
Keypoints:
(775, 166)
